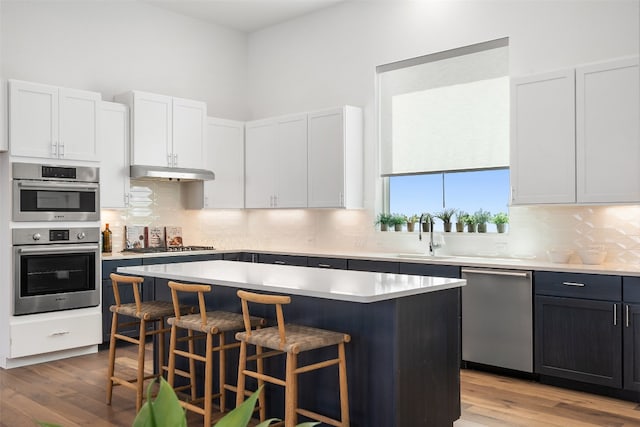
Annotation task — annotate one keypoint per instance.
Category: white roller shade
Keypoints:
(446, 114)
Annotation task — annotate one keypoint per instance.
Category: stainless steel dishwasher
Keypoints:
(497, 318)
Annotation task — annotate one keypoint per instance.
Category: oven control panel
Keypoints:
(43, 236)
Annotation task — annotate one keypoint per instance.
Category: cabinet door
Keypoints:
(189, 122)
(608, 131)
(114, 162)
(33, 119)
(292, 163)
(579, 340)
(261, 151)
(79, 124)
(224, 155)
(152, 130)
(374, 266)
(632, 347)
(543, 138)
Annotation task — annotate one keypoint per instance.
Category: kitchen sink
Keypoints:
(458, 257)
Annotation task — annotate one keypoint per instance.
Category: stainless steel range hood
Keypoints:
(159, 173)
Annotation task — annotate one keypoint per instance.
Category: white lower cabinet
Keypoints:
(114, 164)
(335, 162)
(599, 162)
(276, 163)
(224, 155)
(45, 333)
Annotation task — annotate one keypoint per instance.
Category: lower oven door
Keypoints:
(56, 277)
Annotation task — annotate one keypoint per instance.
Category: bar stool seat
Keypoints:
(145, 313)
(207, 324)
(289, 339)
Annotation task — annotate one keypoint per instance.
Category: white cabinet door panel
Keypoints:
(292, 163)
(543, 138)
(79, 122)
(152, 129)
(33, 119)
(261, 164)
(114, 164)
(608, 132)
(224, 155)
(189, 121)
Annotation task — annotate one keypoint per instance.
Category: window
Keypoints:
(444, 130)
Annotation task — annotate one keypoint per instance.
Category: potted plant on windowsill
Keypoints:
(501, 220)
(398, 220)
(384, 219)
(482, 218)
(445, 215)
(461, 216)
(411, 222)
(470, 222)
(427, 218)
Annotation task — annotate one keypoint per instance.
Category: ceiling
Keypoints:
(244, 15)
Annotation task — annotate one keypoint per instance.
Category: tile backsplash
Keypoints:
(531, 232)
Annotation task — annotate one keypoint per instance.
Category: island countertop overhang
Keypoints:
(342, 285)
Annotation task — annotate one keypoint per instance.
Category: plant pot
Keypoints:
(447, 227)
(459, 227)
(425, 227)
(398, 227)
(482, 228)
(501, 227)
(411, 226)
(471, 228)
(383, 227)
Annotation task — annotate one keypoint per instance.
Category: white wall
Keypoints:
(116, 46)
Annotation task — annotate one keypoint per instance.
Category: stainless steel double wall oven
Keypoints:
(57, 260)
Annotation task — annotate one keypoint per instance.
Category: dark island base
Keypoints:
(403, 360)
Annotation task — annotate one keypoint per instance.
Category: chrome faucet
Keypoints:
(432, 245)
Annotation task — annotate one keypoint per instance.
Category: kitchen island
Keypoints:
(404, 356)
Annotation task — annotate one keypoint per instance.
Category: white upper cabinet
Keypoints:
(608, 132)
(53, 122)
(224, 155)
(276, 163)
(166, 131)
(543, 138)
(335, 161)
(114, 164)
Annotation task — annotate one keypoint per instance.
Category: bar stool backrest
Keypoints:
(133, 281)
(184, 287)
(277, 300)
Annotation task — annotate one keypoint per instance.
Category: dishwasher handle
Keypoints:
(524, 274)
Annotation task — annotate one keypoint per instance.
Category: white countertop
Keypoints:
(514, 263)
(344, 285)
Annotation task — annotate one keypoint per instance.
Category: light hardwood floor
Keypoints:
(71, 393)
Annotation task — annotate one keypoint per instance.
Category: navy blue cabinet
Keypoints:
(631, 325)
(374, 266)
(436, 270)
(323, 262)
(283, 259)
(578, 334)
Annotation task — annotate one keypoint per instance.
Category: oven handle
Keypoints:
(59, 248)
(58, 184)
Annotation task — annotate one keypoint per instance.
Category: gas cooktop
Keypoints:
(169, 249)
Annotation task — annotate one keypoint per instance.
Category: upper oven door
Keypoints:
(55, 201)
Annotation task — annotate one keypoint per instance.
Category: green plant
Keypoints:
(397, 219)
(413, 218)
(482, 216)
(165, 411)
(500, 218)
(383, 218)
(461, 217)
(470, 219)
(445, 215)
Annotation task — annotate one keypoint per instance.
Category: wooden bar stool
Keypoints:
(292, 340)
(145, 314)
(203, 324)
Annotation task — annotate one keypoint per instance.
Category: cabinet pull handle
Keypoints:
(324, 265)
(573, 284)
(279, 262)
(169, 160)
(495, 272)
(175, 160)
(54, 148)
(627, 315)
(615, 314)
(58, 333)
(60, 149)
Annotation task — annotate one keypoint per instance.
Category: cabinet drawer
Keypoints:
(336, 263)
(451, 271)
(631, 289)
(374, 266)
(54, 333)
(578, 285)
(283, 259)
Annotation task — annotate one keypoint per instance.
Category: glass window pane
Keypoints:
(415, 194)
